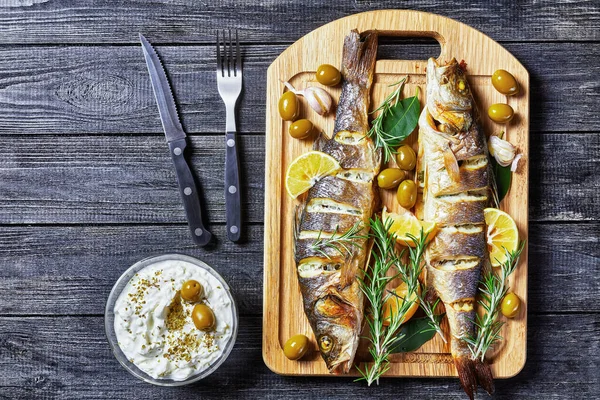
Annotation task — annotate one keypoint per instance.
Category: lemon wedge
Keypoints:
(306, 170)
(393, 303)
(502, 235)
(407, 224)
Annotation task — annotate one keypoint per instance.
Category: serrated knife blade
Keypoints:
(176, 139)
(163, 93)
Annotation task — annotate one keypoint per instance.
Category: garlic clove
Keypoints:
(515, 163)
(318, 99)
(503, 151)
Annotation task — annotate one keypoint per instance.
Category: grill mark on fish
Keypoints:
(333, 301)
(457, 183)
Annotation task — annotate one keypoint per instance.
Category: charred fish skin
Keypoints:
(456, 184)
(329, 279)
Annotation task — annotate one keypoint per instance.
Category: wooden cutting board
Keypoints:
(282, 304)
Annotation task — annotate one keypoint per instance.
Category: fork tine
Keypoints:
(238, 60)
(219, 65)
(231, 60)
(225, 58)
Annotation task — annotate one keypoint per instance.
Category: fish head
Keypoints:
(337, 332)
(449, 96)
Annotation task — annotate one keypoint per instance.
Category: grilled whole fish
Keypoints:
(329, 276)
(457, 185)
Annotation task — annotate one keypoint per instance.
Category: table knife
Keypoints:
(176, 139)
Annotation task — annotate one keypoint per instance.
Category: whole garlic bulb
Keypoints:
(317, 98)
(504, 152)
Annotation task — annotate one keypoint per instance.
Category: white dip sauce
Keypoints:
(154, 326)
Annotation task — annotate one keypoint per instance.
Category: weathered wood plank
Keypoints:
(117, 179)
(106, 89)
(70, 270)
(43, 21)
(563, 177)
(69, 357)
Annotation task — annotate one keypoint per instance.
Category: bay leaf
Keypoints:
(414, 334)
(402, 119)
(503, 178)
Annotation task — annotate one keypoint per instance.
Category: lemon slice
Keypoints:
(407, 224)
(393, 303)
(502, 235)
(306, 170)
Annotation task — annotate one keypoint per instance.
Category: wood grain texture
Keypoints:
(68, 357)
(56, 270)
(49, 179)
(185, 21)
(110, 179)
(106, 90)
(297, 64)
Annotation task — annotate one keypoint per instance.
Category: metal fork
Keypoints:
(229, 82)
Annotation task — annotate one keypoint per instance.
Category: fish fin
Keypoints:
(320, 141)
(451, 165)
(348, 270)
(484, 376)
(467, 375)
(359, 56)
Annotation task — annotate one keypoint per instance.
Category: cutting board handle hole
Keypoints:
(408, 48)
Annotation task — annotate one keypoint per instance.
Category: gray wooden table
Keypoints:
(87, 187)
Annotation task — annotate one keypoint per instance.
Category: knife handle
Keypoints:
(189, 192)
(232, 188)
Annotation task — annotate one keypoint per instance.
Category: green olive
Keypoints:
(296, 347)
(301, 129)
(192, 291)
(500, 113)
(406, 157)
(288, 106)
(505, 83)
(328, 75)
(407, 194)
(511, 304)
(203, 317)
(390, 178)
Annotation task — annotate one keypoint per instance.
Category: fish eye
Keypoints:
(325, 343)
(461, 85)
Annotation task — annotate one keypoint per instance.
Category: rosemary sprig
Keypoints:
(412, 272)
(385, 257)
(382, 139)
(429, 309)
(373, 286)
(493, 288)
(341, 243)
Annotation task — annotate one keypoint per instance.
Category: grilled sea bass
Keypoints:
(329, 277)
(457, 185)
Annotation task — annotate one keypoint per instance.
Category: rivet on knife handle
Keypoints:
(189, 193)
(232, 188)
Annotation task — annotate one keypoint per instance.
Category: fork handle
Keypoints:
(232, 188)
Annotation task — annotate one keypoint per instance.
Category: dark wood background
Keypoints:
(87, 187)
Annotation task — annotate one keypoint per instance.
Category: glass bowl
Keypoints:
(109, 321)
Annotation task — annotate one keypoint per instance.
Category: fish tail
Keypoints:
(473, 372)
(359, 57)
(484, 376)
(467, 375)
